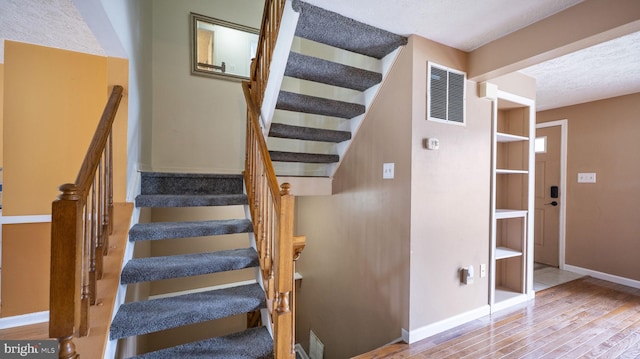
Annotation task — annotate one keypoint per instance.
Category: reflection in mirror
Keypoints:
(220, 48)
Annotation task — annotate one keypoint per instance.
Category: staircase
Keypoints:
(138, 318)
(325, 91)
(307, 136)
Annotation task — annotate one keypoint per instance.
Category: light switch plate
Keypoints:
(586, 177)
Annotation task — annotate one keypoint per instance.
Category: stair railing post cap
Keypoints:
(286, 189)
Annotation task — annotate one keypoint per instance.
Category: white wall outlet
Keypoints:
(483, 270)
(388, 170)
(587, 177)
(433, 143)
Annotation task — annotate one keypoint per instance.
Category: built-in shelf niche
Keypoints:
(512, 173)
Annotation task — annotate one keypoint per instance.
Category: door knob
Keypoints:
(554, 203)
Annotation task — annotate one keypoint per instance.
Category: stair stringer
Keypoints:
(112, 344)
(370, 96)
(322, 182)
(281, 50)
(264, 312)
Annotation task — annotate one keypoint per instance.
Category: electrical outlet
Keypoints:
(388, 170)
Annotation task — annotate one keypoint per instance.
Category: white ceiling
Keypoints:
(602, 71)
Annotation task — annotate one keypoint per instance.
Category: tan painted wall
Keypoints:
(450, 191)
(602, 218)
(118, 74)
(54, 100)
(196, 120)
(1, 113)
(25, 254)
(354, 294)
(385, 255)
(42, 117)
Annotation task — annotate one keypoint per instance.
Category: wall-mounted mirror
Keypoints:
(220, 48)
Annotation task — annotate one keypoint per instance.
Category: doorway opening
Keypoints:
(550, 205)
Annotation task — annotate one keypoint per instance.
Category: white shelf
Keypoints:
(502, 171)
(505, 137)
(510, 213)
(506, 298)
(504, 252)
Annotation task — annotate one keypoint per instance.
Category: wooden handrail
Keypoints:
(271, 19)
(272, 211)
(271, 206)
(81, 221)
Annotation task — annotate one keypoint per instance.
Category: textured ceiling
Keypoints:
(463, 24)
(605, 70)
(602, 71)
(53, 23)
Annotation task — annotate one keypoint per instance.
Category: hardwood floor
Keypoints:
(27, 332)
(585, 318)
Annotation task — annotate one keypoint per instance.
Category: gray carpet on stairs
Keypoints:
(308, 133)
(187, 265)
(290, 101)
(167, 230)
(190, 183)
(233, 346)
(149, 316)
(279, 156)
(331, 73)
(336, 30)
(183, 200)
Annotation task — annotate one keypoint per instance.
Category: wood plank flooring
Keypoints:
(585, 318)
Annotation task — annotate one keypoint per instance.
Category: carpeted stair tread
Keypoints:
(137, 318)
(193, 200)
(331, 73)
(167, 230)
(280, 156)
(333, 29)
(186, 265)
(290, 101)
(281, 130)
(190, 183)
(254, 343)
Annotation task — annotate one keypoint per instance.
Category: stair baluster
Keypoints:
(80, 220)
(273, 207)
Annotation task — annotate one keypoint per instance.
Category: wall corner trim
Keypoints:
(445, 324)
(604, 276)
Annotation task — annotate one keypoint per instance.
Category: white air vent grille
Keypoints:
(445, 94)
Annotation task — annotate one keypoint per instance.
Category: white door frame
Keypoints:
(564, 128)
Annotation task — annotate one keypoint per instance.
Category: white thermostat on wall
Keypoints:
(433, 143)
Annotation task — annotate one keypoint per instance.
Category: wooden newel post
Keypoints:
(66, 264)
(284, 276)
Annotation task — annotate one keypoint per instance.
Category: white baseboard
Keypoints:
(300, 351)
(36, 218)
(604, 276)
(446, 324)
(25, 319)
